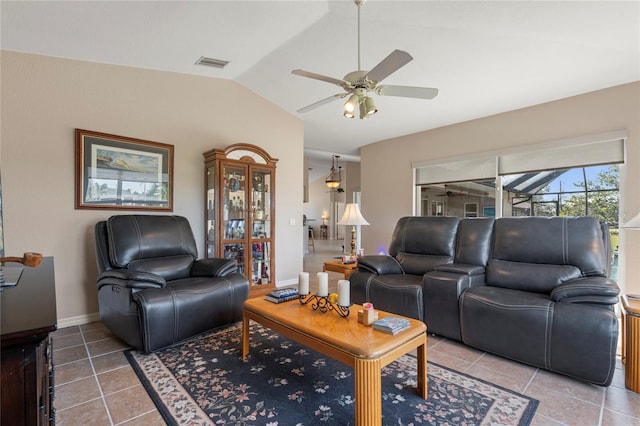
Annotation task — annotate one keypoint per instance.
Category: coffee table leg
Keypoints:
(422, 370)
(245, 336)
(368, 390)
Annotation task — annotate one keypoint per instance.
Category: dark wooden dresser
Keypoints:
(27, 316)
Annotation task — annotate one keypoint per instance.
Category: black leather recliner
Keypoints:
(152, 290)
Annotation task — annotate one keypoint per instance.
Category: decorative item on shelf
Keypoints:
(322, 300)
(353, 217)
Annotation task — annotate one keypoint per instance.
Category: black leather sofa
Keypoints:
(532, 289)
(152, 290)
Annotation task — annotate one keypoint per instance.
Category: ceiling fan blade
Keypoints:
(322, 102)
(320, 77)
(392, 63)
(407, 91)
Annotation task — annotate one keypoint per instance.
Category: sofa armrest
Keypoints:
(461, 269)
(589, 290)
(216, 267)
(379, 264)
(130, 279)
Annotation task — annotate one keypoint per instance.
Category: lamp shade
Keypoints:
(352, 216)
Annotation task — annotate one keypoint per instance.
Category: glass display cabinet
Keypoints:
(240, 213)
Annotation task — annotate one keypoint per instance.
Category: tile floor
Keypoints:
(95, 384)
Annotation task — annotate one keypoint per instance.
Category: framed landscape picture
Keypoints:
(121, 173)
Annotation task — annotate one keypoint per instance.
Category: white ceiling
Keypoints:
(485, 57)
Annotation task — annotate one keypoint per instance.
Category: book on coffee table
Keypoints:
(282, 295)
(280, 299)
(391, 324)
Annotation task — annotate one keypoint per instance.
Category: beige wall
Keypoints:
(44, 99)
(387, 178)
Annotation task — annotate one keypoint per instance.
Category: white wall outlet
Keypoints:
(292, 222)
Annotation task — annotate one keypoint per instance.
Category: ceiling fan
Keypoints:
(359, 84)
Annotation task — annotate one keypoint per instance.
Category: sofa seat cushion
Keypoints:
(508, 322)
(400, 294)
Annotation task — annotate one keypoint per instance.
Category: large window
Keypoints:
(578, 177)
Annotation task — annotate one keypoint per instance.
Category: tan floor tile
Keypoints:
(499, 378)
(506, 366)
(458, 350)
(540, 420)
(91, 413)
(611, 418)
(65, 341)
(73, 371)
(446, 360)
(74, 353)
(67, 330)
(74, 393)
(152, 418)
(433, 340)
(96, 325)
(618, 378)
(110, 361)
(569, 387)
(117, 380)
(105, 346)
(129, 403)
(97, 334)
(563, 408)
(622, 401)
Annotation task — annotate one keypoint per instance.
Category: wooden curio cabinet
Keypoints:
(240, 211)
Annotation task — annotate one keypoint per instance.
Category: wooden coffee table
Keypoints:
(346, 340)
(337, 266)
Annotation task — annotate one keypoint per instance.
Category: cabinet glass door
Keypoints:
(261, 219)
(234, 221)
(211, 212)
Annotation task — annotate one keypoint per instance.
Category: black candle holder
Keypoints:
(322, 304)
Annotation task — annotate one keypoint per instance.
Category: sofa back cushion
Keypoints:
(538, 253)
(473, 242)
(163, 245)
(422, 242)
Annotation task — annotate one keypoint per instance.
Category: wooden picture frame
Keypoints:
(120, 173)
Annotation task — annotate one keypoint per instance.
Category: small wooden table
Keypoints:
(337, 266)
(345, 339)
(631, 342)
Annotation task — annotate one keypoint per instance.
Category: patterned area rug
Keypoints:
(204, 382)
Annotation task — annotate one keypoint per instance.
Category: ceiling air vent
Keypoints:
(210, 62)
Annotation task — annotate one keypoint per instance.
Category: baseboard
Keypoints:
(79, 320)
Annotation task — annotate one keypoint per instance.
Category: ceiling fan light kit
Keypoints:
(358, 84)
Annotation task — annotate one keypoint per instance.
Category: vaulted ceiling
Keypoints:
(485, 57)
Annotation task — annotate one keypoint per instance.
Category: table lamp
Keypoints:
(353, 217)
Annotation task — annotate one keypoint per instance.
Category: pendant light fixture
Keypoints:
(334, 179)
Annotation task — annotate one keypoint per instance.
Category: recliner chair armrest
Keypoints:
(215, 267)
(130, 279)
(589, 290)
(380, 264)
(461, 269)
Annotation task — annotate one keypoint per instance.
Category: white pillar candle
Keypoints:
(343, 293)
(323, 284)
(303, 283)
